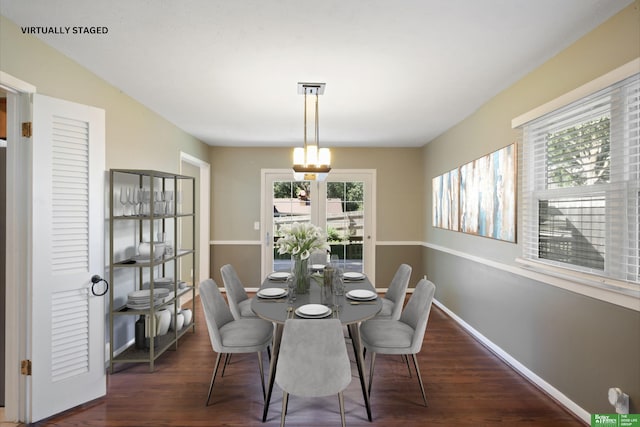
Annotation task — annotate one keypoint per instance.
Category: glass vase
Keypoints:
(301, 275)
(327, 287)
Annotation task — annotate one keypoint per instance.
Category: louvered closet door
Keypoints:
(68, 320)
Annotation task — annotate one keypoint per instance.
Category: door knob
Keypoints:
(95, 279)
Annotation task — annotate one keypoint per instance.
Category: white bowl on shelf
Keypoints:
(144, 249)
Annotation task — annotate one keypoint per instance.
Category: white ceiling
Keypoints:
(398, 73)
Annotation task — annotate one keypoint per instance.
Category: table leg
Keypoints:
(354, 331)
(272, 367)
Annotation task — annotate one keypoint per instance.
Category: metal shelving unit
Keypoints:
(148, 224)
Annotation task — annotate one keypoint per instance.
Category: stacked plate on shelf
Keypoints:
(141, 300)
(162, 282)
(166, 283)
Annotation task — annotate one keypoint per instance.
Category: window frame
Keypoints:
(532, 194)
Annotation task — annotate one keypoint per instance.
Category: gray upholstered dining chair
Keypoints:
(393, 300)
(313, 361)
(403, 336)
(239, 301)
(229, 335)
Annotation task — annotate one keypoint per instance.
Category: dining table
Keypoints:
(350, 312)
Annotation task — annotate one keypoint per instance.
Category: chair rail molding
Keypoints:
(570, 281)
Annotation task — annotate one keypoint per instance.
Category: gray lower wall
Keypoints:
(579, 345)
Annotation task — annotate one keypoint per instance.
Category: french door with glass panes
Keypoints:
(343, 205)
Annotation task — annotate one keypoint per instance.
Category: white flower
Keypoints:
(300, 239)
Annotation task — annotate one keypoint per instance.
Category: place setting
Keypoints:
(313, 311)
(279, 276)
(271, 293)
(361, 296)
(352, 276)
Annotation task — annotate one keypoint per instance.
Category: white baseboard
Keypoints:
(515, 364)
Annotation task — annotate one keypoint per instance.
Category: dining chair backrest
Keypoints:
(216, 311)
(398, 289)
(234, 288)
(313, 360)
(416, 312)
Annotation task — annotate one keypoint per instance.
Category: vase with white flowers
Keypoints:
(300, 240)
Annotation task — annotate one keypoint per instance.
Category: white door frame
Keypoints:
(17, 310)
(203, 215)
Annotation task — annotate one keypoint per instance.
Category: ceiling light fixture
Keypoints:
(311, 162)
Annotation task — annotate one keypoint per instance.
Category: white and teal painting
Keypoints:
(445, 191)
(488, 195)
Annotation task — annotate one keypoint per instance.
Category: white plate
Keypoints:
(313, 310)
(146, 293)
(138, 307)
(317, 267)
(361, 294)
(279, 275)
(352, 275)
(272, 292)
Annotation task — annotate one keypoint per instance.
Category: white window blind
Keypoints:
(581, 184)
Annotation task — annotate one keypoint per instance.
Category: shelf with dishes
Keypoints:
(165, 300)
(147, 207)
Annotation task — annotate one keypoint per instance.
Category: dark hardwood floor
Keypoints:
(466, 385)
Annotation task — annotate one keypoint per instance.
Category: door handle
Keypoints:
(95, 279)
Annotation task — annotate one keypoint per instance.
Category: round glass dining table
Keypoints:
(350, 313)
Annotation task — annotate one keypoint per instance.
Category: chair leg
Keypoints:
(285, 401)
(406, 360)
(213, 377)
(415, 364)
(264, 393)
(373, 360)
(226, 362)
(341, 400)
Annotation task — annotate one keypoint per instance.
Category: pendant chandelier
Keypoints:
(311, 162)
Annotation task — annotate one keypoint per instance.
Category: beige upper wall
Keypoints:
(612, 44)
(235, 183)
(136, 137)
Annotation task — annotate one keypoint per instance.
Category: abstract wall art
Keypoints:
(446, 197)
(488, 195)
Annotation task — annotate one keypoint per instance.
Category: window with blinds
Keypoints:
(581, 184)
